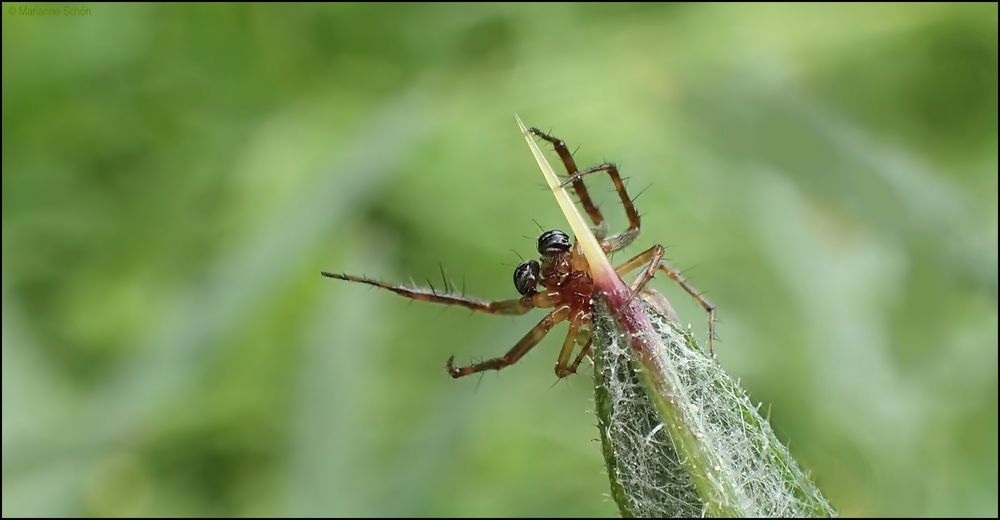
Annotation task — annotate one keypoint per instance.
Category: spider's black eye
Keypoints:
(526, 277)
(553, 242)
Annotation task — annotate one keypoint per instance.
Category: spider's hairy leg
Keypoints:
(571, 170)
(623, 239)
(520, 349)
(653, 259)
(562, 366)
(514, 306)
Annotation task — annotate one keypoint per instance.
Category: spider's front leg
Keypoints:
(519, 350)
(578, 186)
(653, 259)
(613, 243)
(623, 239)
(515, 306)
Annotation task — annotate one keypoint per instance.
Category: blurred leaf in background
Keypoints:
(176, 176)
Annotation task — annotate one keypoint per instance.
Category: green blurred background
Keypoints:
(176, 176)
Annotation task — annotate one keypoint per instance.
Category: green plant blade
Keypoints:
(702, 450)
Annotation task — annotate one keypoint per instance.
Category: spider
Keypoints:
(559, 279)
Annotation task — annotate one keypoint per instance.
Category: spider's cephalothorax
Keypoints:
(562, 271)
(564, 275)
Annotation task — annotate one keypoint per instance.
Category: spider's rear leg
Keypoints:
(623, 239)
(519, 350)
(515, 306)
(653, 258)
(581, 189)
